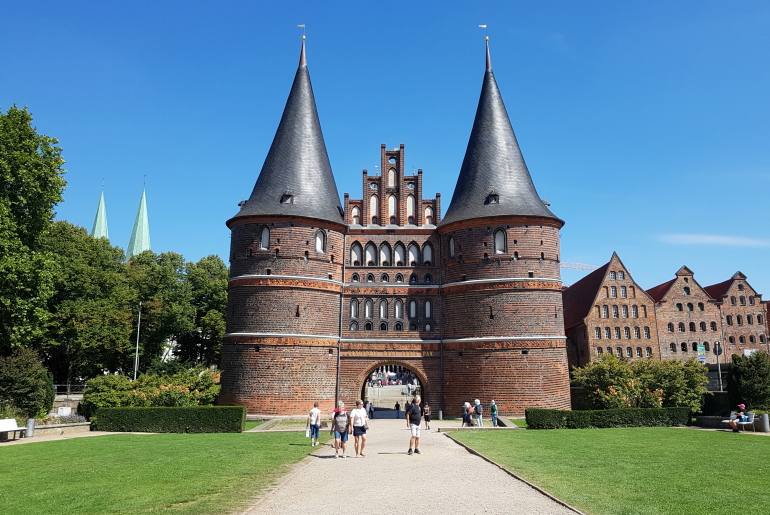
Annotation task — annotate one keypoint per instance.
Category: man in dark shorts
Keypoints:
(413, 419)
(426, 414)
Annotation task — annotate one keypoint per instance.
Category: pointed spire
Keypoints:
(489, 59)
(296, 178)
(100, 221)
(140, 234)
(494, 179)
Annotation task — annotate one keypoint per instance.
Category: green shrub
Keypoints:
(198, 419)
(8, 411)
(748, 380)
(631, 417)
(25, 383)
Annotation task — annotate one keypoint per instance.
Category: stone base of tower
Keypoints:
(279, 376)
(516, 375)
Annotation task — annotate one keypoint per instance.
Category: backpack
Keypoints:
(477, 409)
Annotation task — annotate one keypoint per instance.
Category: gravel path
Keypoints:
(445, 478)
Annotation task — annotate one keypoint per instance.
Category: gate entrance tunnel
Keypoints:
(388, 385)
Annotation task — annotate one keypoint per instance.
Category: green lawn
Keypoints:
(176, 473)
(637, 470)
(253, 424)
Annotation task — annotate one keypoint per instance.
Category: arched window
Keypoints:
(607, 334)
(354, 326)
(621, 276)
(627, 333)
(619, 352)
(623, 292)
(670, 327)
(694, 347)
(597, 333)
(672, 347)
(428, 279)
(355, 278)
(700, 306)
(706, 346)
(739, 319)
(638, 352)
(354, 308)
(400, 255)
(741, 339)
(428, 310)
(515, 256)
(356, 216)
(399, 278)
(399, 309)
(399, 326)
(743, 300)
(637, 334)
(613, 292)
(614, 312)
(759, 319)
(729, 320)
(392, 206)
(264, 239)
(412, 309)
(384, 278)
(368, 326)
(681, 327)
(356, 255)
(713, 326)
(679, 306)
(609, 350)
(428, 216)
(692, 326)
(605, 312)
(410, 208)
(427, 254)
(751, 339)
(414, 255)
(374, 207)
(368, 308)
(617, 333)
(385, 255)
(749, 319)
(371, 255)
(383, 326)
(684, 347)
(731, 339)
(624, 311)
(634, 312)
(392, 178)
(613, 276)
(648, 352)
(686, 290)
(383, 309)
(646, 333)
(689, 306)
(740, 287)
(761, 338)
(320, 242)
(428, 327)
(451, 246)
(599, 351)
(370, 278)
(629, 352)
(500, 241)
(703, 326)
(413, 279)
(413, 327)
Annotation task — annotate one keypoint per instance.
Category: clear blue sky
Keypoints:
(646, 125)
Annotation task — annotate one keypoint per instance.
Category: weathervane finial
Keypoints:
(302, 58)
(486, 38)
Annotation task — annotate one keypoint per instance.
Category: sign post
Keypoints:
(718, 352)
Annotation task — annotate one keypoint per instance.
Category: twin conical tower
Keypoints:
(140, 234)
(468, 305)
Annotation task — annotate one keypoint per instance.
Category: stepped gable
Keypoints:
(494, 179)
(296, 178)
(579, 298)
(659, 291)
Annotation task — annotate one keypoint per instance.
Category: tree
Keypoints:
(89, 330)
(31, 176)
(748, 380)
(25, 383)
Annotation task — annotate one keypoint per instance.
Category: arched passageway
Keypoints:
(388, 384)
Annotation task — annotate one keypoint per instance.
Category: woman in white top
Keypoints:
(358, 415)
(314, 423)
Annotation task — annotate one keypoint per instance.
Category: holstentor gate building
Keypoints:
(321, 295)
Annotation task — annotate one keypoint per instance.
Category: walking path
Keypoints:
(444, 478)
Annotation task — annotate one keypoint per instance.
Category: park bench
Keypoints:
(8, 425)
(749, 420)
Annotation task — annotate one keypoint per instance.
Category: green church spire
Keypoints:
(140, 235)
(100, 222)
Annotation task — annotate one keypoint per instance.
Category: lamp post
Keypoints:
(718, 351)
(138, 327)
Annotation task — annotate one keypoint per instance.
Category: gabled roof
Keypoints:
(659, 291)
(493, 165)
(719, 290)
(296, 178)
(579, 298)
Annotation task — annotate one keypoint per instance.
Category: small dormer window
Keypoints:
(287, 197)
(492, 198)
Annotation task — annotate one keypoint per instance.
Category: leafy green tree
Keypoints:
(681, 383)
(25, 383)
(207, 280)
(748, 380)
(89, 330)
(31, 176)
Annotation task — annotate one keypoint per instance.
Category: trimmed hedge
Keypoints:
(188, 419)
(631, 417)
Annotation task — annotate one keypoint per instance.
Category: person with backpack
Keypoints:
(413, 419)
(493, 412)
(477, 409)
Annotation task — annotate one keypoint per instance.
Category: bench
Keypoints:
(749, 420)
(8, 425)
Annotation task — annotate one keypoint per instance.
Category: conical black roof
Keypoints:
(494, 180)
(296, 178)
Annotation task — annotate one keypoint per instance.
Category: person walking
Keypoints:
(413, 419)
(466, 415)
(477, 409)
(493, 413)
(426, 414)
(314, 422)
(371, 410)
(360, 425)
(398, 409)
(340, 429)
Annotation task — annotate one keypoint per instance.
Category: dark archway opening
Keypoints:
(388, 385)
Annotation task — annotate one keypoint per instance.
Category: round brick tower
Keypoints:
(281, 347)
(503, 323)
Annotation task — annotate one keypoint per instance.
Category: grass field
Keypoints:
(186, 474)
(253, 424)
(637, 470)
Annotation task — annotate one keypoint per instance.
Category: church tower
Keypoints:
(503, 322)
(280, 351)
(99, 229)
(140, 234)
